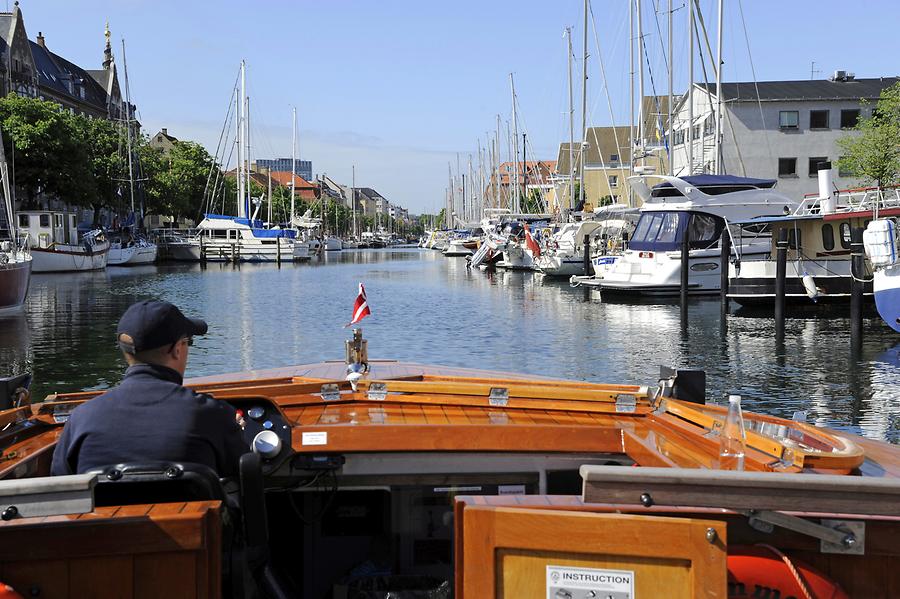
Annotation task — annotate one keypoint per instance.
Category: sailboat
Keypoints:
(242, 238)
(127, 248)
(15, 260)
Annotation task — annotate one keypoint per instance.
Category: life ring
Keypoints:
(763, 571)
(7, 592)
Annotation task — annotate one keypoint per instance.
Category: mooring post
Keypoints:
(685, 267)
(723, 266)
(278, 251)
(857, 272)
(202, 251)
(587, 256)
(781, 248)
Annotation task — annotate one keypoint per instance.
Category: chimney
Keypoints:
(40, 40)
(165, 132)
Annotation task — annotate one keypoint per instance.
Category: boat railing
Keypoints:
(853, 200)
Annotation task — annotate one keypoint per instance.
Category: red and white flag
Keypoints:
(531, 244)
(360, 306)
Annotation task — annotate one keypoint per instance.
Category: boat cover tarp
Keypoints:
(720, 180)
(256, 226)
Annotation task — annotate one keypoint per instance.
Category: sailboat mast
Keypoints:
(669, 115)
(497, 163)
(353, 201)
(583, 105)
(270, 197)
(515, 154)
(718, 159)
(642, 134)
(690, 124)
(571, 124)
(128, 137)
(242, 192)
(293, 158)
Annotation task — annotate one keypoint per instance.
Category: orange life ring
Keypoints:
(763, 571)
(7, 592)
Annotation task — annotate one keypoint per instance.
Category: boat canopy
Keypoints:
(776, 219)
(663, 231)
(721, 181)
(256, 226)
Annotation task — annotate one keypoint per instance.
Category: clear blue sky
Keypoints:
(398, 88)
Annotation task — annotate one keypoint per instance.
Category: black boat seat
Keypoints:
(156, 482)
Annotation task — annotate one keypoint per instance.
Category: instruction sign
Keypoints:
(589, 583)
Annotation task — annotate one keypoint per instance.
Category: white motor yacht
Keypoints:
(698, 207)
(128, 251)
(564, 254)
(233, 239)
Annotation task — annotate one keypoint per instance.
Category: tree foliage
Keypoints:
(873, 154)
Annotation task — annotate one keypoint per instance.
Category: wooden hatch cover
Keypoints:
(521, 553)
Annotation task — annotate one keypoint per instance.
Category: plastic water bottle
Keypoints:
(733, 439)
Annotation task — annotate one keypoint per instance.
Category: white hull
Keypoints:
(69, 258)
(301, 251)
(660, 274)
(350, 245)
(456, 248)
(561, 265)
(517, 258)
(133, 255)
(333, 244)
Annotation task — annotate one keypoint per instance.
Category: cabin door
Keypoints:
(518, 553)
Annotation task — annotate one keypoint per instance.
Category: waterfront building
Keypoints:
(304, 167)
(369, 201)
(775, 129)
(32, 70)
(162, 141)
(608, 158)
(533, 175)
(303, 189)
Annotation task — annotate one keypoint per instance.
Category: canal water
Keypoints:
(431, 309)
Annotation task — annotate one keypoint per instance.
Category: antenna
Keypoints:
(813, 71)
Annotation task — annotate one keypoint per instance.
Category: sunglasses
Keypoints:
(189, 340)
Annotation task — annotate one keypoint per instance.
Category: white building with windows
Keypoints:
(774, 129)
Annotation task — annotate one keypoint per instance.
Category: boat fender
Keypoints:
(7, 592)
(809, 283)
(764, 571)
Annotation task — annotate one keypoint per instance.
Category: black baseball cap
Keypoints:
(151, 324)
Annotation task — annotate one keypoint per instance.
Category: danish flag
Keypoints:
(360, 306)
(531, 244)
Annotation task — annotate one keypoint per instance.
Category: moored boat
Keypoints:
(126, 251)
(454, 479)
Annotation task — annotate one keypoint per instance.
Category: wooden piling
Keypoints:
(685, 267)
(781, 248)
(202, 250)
(857, 271)
(587, 256)
(278, 251)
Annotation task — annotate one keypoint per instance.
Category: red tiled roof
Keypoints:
(284, 178)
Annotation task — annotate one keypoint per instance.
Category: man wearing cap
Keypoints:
(150, 416)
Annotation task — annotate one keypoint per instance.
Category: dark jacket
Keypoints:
(150, 416)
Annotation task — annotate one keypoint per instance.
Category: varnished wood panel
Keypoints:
(165, 575)
(44, 578)
(101, 577)
(679, 561)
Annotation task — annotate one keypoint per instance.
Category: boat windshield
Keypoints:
(662, 231)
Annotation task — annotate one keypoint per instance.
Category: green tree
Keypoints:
(179, 184)
(104, 145)
(44, 150)
(873, 154)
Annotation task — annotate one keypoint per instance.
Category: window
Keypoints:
(613, 157)
(58, 220)
(828, 237)
(789, 119)
(845, 236)
(668, 231)
(45, 221)
(787, 167)
(794, 241)
(814, 165)
(695, 132)
(849, 118)
(614, 180)
(709, 125)
(24, 221)
(818, 119)
(703, 231)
